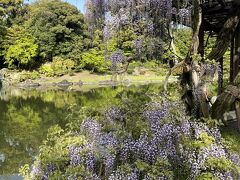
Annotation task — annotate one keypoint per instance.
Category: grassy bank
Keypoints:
(85, 77)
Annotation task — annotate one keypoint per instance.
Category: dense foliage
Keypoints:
(41, 31)
(33, 34)
(58, 28)
(8, 12)
(19, 47)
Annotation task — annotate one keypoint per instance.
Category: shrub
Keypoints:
(152, 65)
(132, 66)
(94, 60)
(19, 47)
(62, 66)
(58, 67)
(162, 70)
(46, 69)
(69, 65)
(28, 75)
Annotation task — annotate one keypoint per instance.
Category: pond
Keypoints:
(26, 116)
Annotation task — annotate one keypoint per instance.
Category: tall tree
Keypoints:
(58, 28)
(19, 47)
(9, 9)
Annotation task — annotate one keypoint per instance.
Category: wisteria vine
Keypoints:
(174, 146)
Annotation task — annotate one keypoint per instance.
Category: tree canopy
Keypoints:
(58, 28)
(54, 28)
(139, 29)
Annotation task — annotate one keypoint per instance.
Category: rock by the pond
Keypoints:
(64, 83)
(29, 84)
(231, 115)
(126, 81)
(213, 99)
(108, 82)
(79, 83)
(4, 72)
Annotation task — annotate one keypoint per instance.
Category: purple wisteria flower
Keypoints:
(117, 175)
(91, 128)
(138, 45)
(117, 57)
(114, 114)
(178, 141)
(36, 170)
(75, 158)
(235, 158)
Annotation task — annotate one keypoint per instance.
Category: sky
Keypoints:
(79, 3)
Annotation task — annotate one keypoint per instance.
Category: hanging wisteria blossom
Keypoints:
(167, 145)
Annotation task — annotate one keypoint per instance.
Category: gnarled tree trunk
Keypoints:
(222, 43)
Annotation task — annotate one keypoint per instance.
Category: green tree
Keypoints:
(126, 36)
(182, 39)
(19, 47)
(22, 52)
(58, 28)
(9, 10)
(95, 58)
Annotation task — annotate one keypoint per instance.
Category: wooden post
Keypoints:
(236, 58)
(235, 55)
(237, 108)
(220, 77)
(231, 61)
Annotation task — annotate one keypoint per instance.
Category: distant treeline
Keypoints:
(35, 35)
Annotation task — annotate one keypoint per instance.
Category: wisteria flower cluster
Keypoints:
(117, 58)
(173, 147)
(114, 114)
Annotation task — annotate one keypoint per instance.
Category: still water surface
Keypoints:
(26, 115)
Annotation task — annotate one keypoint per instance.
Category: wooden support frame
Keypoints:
(236, 68)
(237, 108)
(236, 58)
(231, 61)
(235, 55)
(220, 77)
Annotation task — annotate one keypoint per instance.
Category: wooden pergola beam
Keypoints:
(235, 55)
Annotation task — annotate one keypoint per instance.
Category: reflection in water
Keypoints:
(26, 116)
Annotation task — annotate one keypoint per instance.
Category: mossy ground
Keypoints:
(232, 139)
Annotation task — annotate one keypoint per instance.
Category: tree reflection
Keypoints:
(26, 116)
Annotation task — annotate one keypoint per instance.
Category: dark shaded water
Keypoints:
(26, 115)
